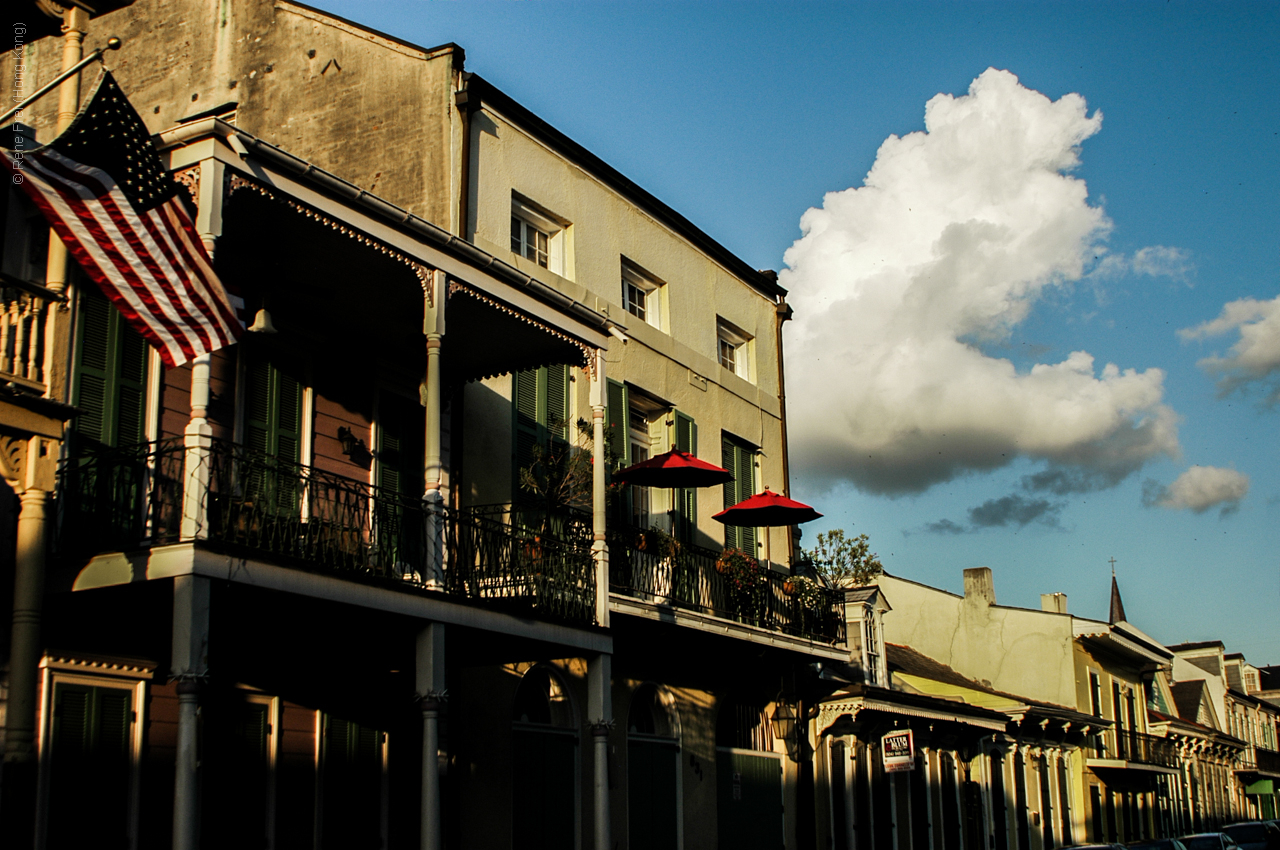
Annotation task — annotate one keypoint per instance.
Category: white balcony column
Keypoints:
(198, 435)
(436, 292)
(189, 668)
(600, 724)
(599, 513)
(431, 695)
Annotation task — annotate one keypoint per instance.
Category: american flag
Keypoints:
(103, 189)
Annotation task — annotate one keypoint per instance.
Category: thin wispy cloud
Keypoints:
(1012, 511)
(1199, 489)
(954, 235)
(1254, 359)
(1152, 261)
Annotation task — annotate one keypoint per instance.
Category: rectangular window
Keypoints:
(733, 349)
(530, 242)
(24, 246)
(641, 294)
(871, 646)
(739, 457)
(537, 236)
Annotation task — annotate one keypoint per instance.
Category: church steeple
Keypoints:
(1117, 606)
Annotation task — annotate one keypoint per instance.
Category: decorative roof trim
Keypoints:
(134, 668)
(589, 362)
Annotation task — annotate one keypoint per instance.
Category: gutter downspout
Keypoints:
(467, 103)
(784, 314)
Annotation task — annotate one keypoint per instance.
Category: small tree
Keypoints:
(842, 560)
(560, 475)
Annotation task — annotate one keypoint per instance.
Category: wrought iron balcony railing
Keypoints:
(1128, 745)
(251, 503)
(647, 566)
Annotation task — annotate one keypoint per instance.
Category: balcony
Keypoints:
(22, 333)
(1262, 761)
(687, 577)
(257, 506)
(1127, 748)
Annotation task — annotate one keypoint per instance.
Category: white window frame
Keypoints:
(733, 349)
(529, 218)
(654, 439)
(121, 675)
(648, 307)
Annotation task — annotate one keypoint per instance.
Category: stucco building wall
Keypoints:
(1015, 650)
(371, 109)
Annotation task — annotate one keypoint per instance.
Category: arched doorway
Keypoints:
(544, 763)
(653, 766)
(748, 778)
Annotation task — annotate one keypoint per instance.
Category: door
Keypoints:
(652, 766)
(399, 545)
(544, 813)
(749, 792)
(91, 761)
(352, 770)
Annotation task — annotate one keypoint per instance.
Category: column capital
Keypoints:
(601, 728)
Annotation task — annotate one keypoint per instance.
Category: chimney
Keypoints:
(979, 586)
(1056, 602)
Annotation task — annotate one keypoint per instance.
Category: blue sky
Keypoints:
(743, 116)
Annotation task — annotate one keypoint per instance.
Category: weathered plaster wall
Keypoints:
(364, 106)
(1016, 650)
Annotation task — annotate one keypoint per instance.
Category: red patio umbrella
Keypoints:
(767, 509)
(673, 469)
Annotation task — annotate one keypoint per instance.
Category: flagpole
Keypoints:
(113, 43)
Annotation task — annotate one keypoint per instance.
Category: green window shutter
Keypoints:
(686, 507)
(273, 412)
(273, 427)
(540, 398)
(524, 393)
(111, 376)
(616, 420)
(739, 459)
(557, 417)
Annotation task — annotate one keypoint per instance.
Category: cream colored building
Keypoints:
(1089, 667)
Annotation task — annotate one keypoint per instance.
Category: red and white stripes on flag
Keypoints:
(151, 264)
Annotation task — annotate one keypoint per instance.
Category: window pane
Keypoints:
(516, 234)
(727, 352)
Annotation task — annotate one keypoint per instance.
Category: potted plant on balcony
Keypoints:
(745, 580)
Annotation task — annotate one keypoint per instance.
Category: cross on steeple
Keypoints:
(1113, 567)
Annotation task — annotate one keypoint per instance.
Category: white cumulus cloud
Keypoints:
(952, 237)
(1199, 489)
(1255, 356)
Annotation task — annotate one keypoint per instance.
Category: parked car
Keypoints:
(1157, 844)
(1095, 847)
(1209, 841)
(1254, 835)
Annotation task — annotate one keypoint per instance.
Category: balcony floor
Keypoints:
(621, 604)
(165, 562)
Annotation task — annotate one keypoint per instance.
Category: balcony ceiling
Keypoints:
(353, 306)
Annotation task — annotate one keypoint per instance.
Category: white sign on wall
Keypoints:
(898, 751)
